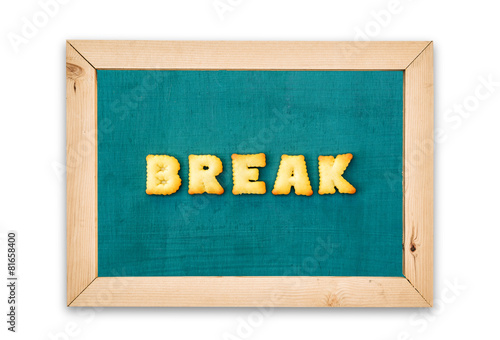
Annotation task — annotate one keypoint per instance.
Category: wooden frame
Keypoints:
(85, 288)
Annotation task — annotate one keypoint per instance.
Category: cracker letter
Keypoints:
(162, 175)
(202, 172)
(292, 172)
(245, 176)
(330, 174)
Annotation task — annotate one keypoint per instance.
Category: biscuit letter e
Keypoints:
(245, 176)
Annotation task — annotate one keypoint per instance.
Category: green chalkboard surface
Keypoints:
(308, 113)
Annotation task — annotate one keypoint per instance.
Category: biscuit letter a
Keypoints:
(292, 172)
(162, 175)
(202, 172)
(331, 170)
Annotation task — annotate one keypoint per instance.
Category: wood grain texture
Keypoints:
(81, 173)
(248, 55)
(418, 174)
(300, 291)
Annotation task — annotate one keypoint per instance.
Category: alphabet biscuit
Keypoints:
(202, 172)
(292, 172)
(245, 176)
(331, 170)
(162, 175)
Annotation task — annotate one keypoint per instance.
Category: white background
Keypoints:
(32, 145)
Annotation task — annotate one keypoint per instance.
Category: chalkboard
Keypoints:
(362, 107)
(308, 113)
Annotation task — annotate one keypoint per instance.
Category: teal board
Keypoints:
(308, 113)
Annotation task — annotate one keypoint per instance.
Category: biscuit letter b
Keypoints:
(162, 175)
